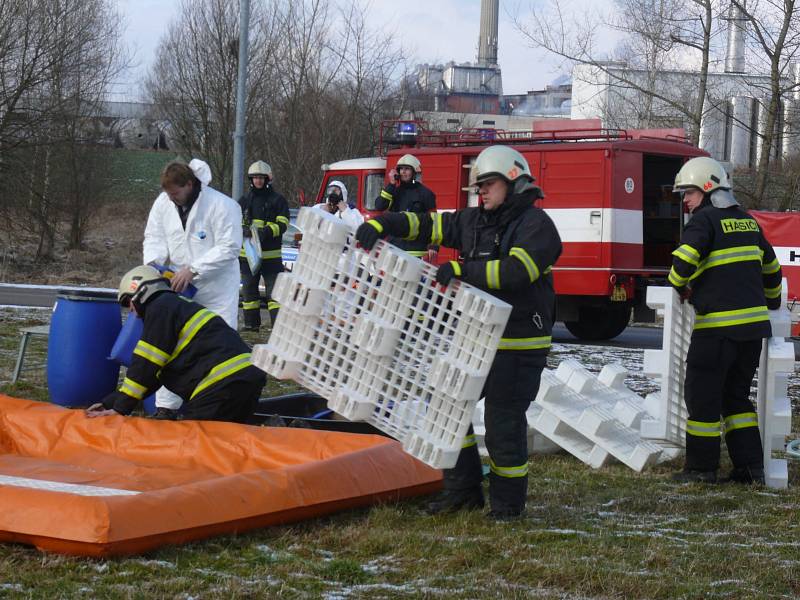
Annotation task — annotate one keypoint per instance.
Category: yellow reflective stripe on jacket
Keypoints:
(190, 329)
(728, 256)
(221, 371)
(469, 441)
(526, 260)
(413, 226)
(271, 253)
(251, 304)
(386, 196)
(493, 274)
(741, 421)
(259, 223)
(770, 268)
(700, 429)
(376, 225)
(437, 232)
(272, 305)
(727, 318)
(773, 292)
(155, 355)
(417, 253)
(276, 230)
(282, 219)
(518, 471)
(531, 343)
(676, 279)
(687, 254)
(132, 389)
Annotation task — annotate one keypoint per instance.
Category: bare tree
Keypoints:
(658, 37)
(775, 30)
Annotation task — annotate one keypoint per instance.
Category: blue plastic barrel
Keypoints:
(82, 333)
(125, 344)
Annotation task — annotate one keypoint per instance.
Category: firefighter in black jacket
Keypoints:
(508, 247)
(268, 210)
(186, 348)
(728, 271)
(406, 194)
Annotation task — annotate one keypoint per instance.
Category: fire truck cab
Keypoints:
(608, 192)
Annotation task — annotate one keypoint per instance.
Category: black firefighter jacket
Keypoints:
(732, 271)
(509, 252)
(408, 197)
(186, 348)
(269, 212)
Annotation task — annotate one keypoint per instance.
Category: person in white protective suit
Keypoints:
(195, 231)
(336, 204)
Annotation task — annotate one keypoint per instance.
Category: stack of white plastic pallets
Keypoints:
(380, 341)
(667, 422)
(774, 408)
(584, 414)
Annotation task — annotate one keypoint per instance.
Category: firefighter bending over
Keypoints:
(405, 193)
(187, 349)
(508, 247)
(727, 270)
(268, 210)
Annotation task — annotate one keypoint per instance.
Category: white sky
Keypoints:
(431, 31)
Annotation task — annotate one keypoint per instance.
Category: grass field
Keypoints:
(607, 533)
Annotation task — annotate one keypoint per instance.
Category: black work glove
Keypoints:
(369, 233)
(685, 294)
(448, 271)
(247, 232)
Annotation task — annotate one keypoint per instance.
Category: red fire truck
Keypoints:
(608, 192)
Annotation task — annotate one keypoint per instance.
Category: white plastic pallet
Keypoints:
(772, 399)
(587, 406)
(374, 335)
(667, 422)
(537, 444)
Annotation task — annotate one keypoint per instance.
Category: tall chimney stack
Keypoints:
(487, 43)
(737, 26)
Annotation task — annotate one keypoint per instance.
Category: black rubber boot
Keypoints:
(745, 475)
(693, 476)
(165, 414)
(450, 501)
(507, 514)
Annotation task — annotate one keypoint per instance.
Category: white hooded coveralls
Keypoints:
(209, 245)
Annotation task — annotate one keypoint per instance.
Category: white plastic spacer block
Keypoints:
(399, 265)
(374, 336)
(276, 364)
(613, 376)
(777, 473)
(351, 405)
(323, 226)
(457, 381)
(481, 306)
(296, 296)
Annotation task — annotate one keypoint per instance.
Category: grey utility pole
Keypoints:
(241, 93)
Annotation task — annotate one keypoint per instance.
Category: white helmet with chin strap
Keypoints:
(139, 284)
(707, 175)
(409, 160)
(260, 168)
(503, 162)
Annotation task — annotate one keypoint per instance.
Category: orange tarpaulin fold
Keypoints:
(122, 485)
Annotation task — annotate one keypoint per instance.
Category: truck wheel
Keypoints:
(600, 322)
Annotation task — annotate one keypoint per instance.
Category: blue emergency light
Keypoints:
(407, 132)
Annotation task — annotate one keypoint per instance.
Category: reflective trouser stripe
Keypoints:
(193, 325)
(741, 421)
(271, 253)
(727, 318)
(469, 441)
(132, 389)
(700, 429)
(251, 304)
(149, 352)
(221, 371)
(518, 471)
(493, 274)
(533, 343)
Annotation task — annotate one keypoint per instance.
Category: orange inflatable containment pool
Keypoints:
(123, 485)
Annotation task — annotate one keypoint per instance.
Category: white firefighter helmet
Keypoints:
(139, 284)
(500, 161)
(260, 168)
(409, 160)
(703, 173)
